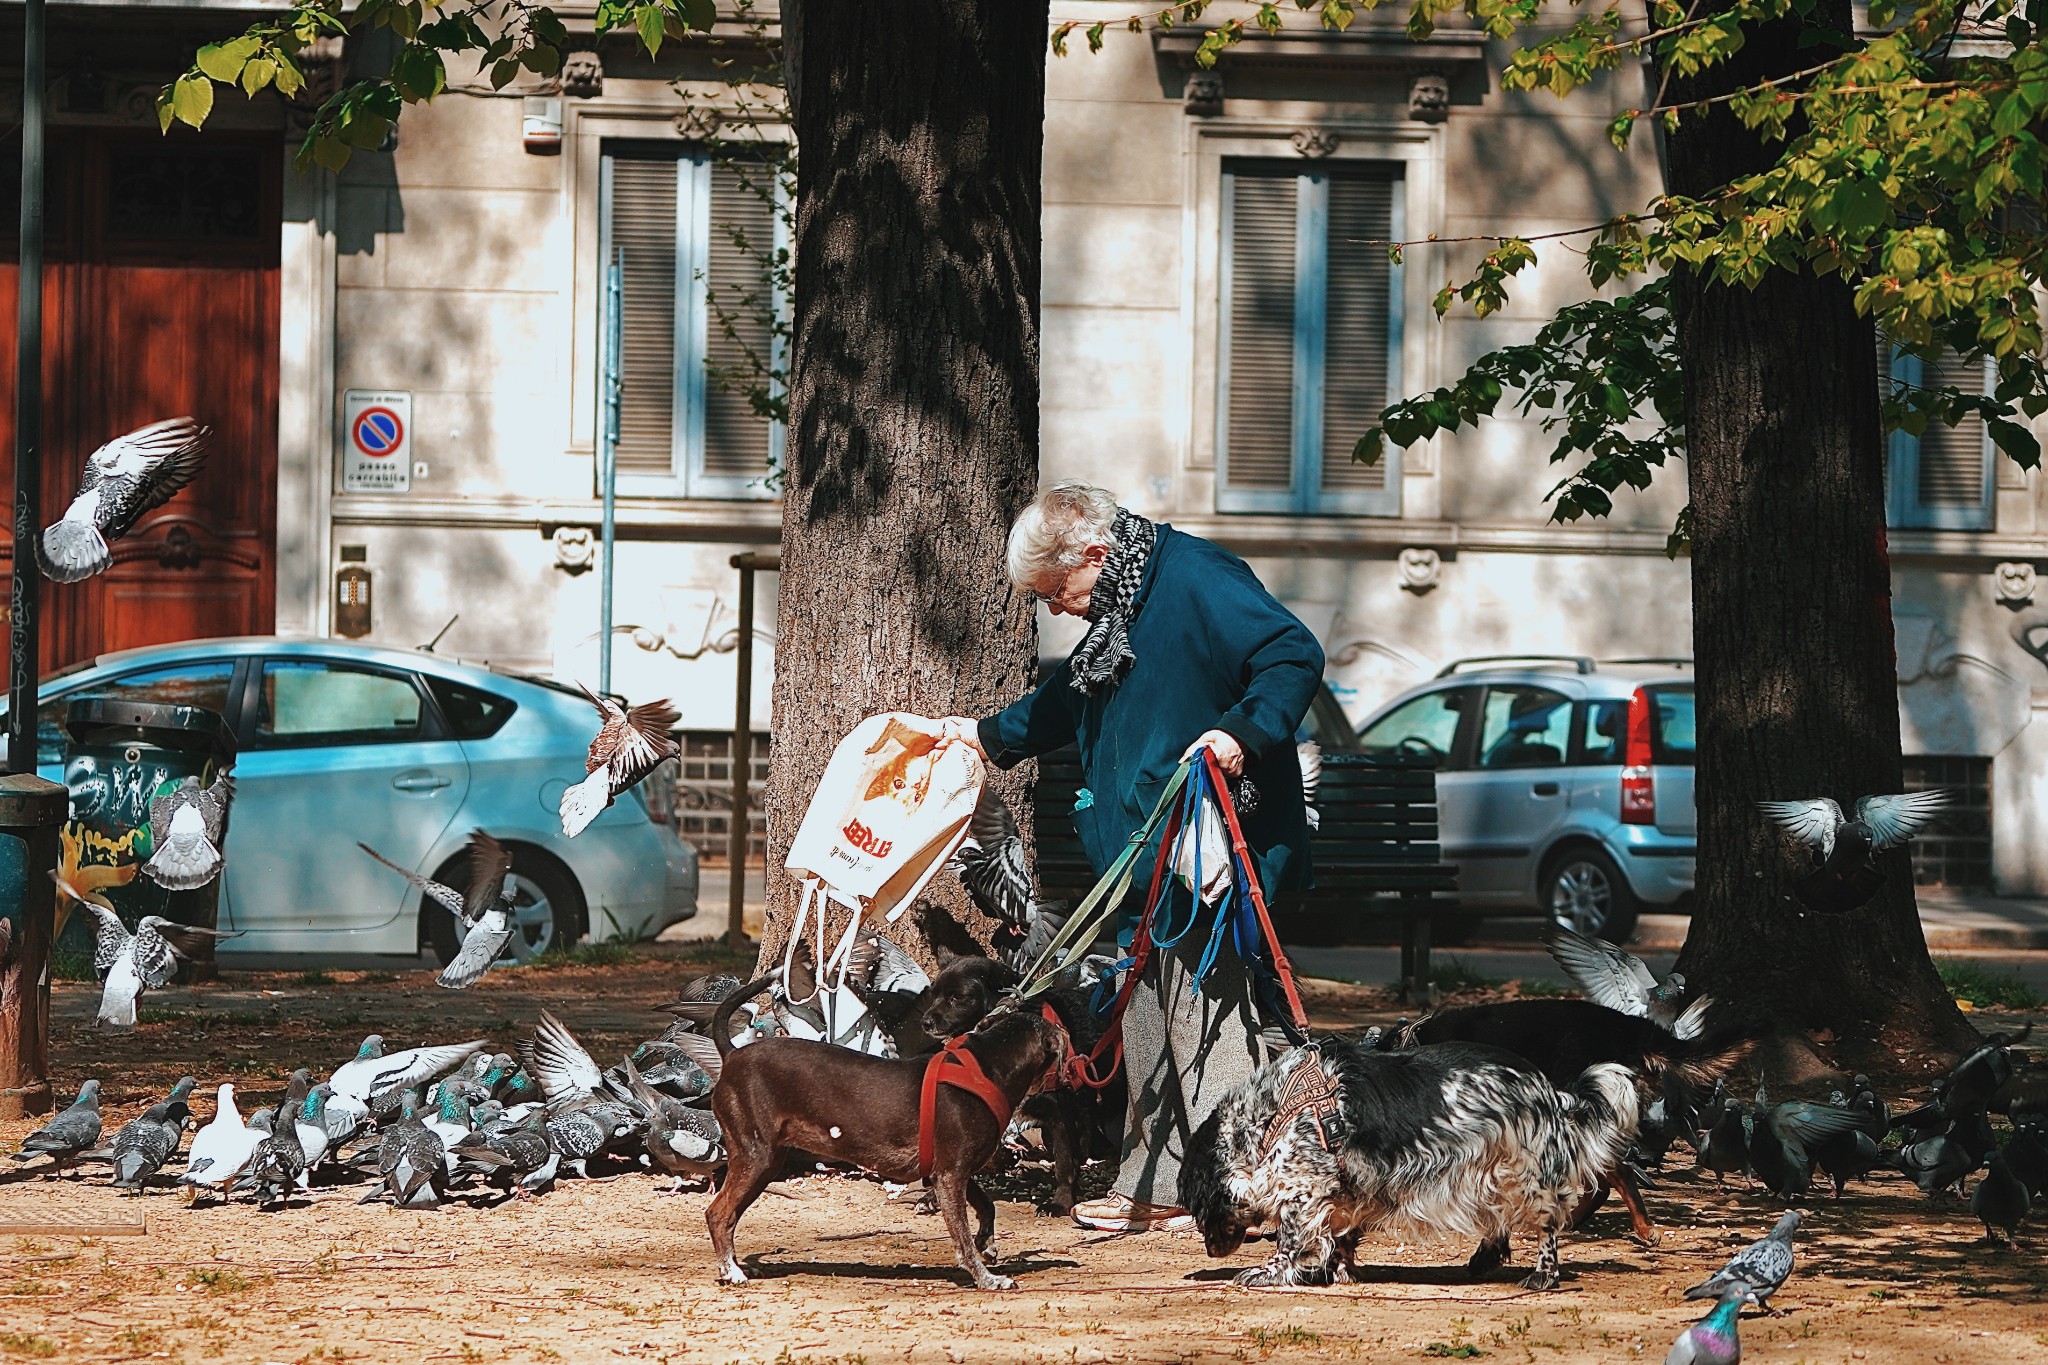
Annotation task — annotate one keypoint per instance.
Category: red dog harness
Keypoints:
(956, 1066)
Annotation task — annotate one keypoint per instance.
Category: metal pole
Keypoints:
(608, 456)
(743, 744)
(24, 661)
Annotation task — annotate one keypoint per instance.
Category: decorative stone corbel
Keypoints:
(575, 548)
(1202, 94)
(1316, 142)
(2012, 584)
(1421, 569)
(1429, 97)
(582, 75)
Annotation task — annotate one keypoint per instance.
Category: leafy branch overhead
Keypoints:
(504, 37)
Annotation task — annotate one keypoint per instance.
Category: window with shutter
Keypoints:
(1941, 478)
(685, 240)
(1311, 336)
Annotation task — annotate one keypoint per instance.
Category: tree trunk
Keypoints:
(1792, 625)
(913, 424)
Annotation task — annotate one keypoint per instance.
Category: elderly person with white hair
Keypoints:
(1185, 648)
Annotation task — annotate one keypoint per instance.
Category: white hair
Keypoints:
(1055, 531)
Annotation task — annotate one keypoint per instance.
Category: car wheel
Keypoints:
(1584, 890)
(547, 908)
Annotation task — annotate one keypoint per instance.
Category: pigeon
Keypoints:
(685, 1066)
(2000, 1201)
(1849, 1156)
(1758, 1270)
(143, 1145)
(147, 959)
(1725, 1148)
(2026, 1156)
(1877, 1115)
(185, 827)
(373, 1075)
(1713, 1340)
(1843, 876)
(531, 1159)
(68, 1136)
(123, 479)
(1310, 755)
(222, 1149)
(682, 1140)
(1621, 981)
(412, 1161)
(585, 1116)
(630, 744)
(316, 1137)
(1936, 1164)
(485, 909)
(1784, 1137)
(990, 862)
(279, 1162)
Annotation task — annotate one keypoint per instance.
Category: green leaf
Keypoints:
(1370, 447)
(223, 61)
(699, 14)
(2014, 114)
(2016, 441)
(418, 73)
(191, 100)
(648, 20)
(257, 73)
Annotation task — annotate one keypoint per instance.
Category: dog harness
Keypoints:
(1307, 1091)
(954, 1065)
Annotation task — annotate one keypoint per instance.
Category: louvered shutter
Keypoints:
(642, 208)
(1357, 379)
(1258, 362)
(1953, 459)
(742, 239)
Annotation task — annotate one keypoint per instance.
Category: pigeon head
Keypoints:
(1789, 1223)
(316, 1102)
(89, 1095)
(183, 1089)
(1854, 839)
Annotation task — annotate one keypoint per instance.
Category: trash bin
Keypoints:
(122, 755)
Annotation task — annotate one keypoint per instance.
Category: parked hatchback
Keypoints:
(1564, 786)
(406, 752)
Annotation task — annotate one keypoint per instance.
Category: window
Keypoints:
(1311, 336)
(1671, 734)
(470, 714)
(674, 220)
(188, 684)
(1956, 849)
(1942, 477)
(1524, 727)
(307, 703)
(1426, 725)
(1604, 737)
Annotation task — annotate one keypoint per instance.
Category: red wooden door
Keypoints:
(160, 299)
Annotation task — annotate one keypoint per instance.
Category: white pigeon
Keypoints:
(185, 826)
(223, 1148)
(630, 744)
(123, 479)
(373, 1074)
(485, 909)
(146, 959)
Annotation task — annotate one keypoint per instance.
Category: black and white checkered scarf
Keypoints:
(1104, 655)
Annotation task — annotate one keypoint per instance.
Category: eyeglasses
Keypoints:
(1048, 598)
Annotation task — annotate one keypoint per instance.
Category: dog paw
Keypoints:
(994, 1281)
(1259, 1277)
(927, 1207)
(1647, 1239)
(732, 1275)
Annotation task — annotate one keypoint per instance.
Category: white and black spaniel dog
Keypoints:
(1332, 1141)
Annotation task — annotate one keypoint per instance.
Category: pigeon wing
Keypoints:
(1812, 823)
(1762, 1265)
(489, 865)
(1608, 975)
(162, 808)
(156, 961)
(560, 1063)
(109, 937)
(213, 806)
(446, 895)
(701, 1050)
(642, 744)
(170, 454)
(993, 868)
(1895, 819)
(482, 946)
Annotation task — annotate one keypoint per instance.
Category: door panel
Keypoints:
(1513, 795)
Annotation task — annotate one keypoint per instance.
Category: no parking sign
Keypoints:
(376, 447)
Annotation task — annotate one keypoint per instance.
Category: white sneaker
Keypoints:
(1116, 1212)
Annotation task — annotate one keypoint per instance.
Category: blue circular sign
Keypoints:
(378, 431)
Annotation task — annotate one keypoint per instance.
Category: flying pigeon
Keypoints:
(185, 826)
(1310, 755)
(142, 1147)
(1785, 1137)
(990, 862)
(373, 1075)
(1843, 876)
(485, 909)
(2000, 1201)
(630, 744)
(222, 1149)
(81, 883)
(1758, 1270)
(123, 479)
(1714, 1339)
(129, 963)
(1622, 981)
(69, 1135)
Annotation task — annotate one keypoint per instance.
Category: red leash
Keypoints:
(1281, 966)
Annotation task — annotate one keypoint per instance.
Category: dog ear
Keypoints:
(944, 956)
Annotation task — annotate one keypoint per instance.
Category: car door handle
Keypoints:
(419, 782)
(1545, 789)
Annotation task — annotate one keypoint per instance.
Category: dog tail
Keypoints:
(721, 1022)
(1712, 1046)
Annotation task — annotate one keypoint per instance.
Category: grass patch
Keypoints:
(1982, 984)
(217, 1281)
(315, 977)
(1537, 988)
(586, 955)
(1452, 975)
(66, 965)
(1443, 1350)
(22, 1344)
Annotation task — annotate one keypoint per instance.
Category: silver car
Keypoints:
(1564, 786)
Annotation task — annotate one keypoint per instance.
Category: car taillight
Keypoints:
(1638, 783)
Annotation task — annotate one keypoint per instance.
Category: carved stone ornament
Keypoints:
(1315, 142)
(698, 124)
(324, 63)
(582, 75)
(1421, 569)
(575, 548)
(2013, 584)
(1202, 95)
(1429, 97)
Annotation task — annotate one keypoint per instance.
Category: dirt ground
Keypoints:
(603, 1270)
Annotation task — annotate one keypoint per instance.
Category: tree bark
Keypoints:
(913, 423)
(1792, 625)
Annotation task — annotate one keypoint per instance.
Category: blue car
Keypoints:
(406, 752)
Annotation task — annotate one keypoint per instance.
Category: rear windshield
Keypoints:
(1671, 731)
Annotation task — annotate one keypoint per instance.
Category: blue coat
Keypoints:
(1214, 651)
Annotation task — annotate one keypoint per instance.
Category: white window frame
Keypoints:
(1903, 508)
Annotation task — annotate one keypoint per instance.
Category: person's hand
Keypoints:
(1228, 751)
(966, 730)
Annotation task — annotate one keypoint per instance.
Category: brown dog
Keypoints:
(783, 1102)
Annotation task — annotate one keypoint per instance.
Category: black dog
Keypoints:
(784, 1102)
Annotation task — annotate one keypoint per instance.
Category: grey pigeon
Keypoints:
(1757, 1270)
(684, 1141)
(1843, 876)
(531, 1159)
(143, 1145)
(484, 909)
(1714, 1339)
(412, 1162)
(373, 1074)
(1847, 1156)
(990, 862)
(124, 479)
(630, 744)
(147, 959)
(279, 1161)
(1620, 980)
(2000, 1202)
(185, 826)
(69, 1135)
(1784, 1137)
(1725, 1148)
(2026, 1156)
(677, 1066)
(1877, 1115)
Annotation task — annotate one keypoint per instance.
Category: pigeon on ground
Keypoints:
(147, 959)
(1725, 1148)
(684, 1066)
(485, 909)
(585, 1116)
(1847, 1156)
(2026, 1156)
(1784, 1137)
(2000, 1202)
(373, 1075)
(316, 1137)
(1938, 1165)
(1843, 876)
(1622, 981)
(412, 1162)
(518, 1086)
(531, 1160)
(683, 1140)
(278, 1164)
(1714, 1339)
(1877, 1115)
(1758, 1270)
(69, 1135)
(630, 744)
(143, 1145)
(221, 1150)
(123, 479)
(185, 826)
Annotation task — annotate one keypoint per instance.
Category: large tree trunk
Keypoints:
(1792, 624)
(913, 425)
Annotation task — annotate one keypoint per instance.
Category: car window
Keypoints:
(1427, 724)
(470, 714)
(1524, 727)
(315, 702)
(186, 684)
(1603, 737)
(1326, 724)
(1671, 739)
